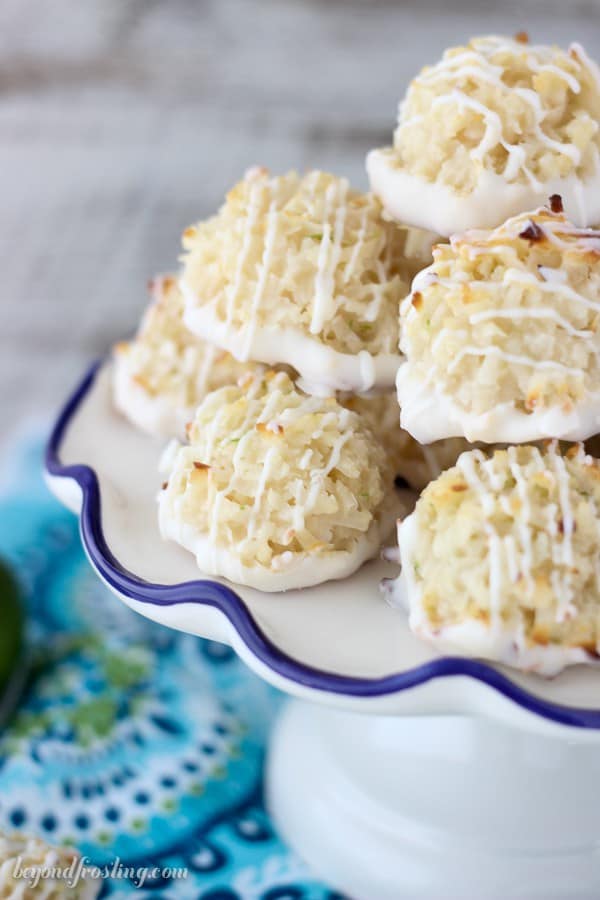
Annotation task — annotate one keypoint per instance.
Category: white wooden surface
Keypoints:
(121, 121)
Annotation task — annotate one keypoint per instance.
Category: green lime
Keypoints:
(11, 626)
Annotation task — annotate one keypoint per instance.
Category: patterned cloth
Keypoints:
(132, 740)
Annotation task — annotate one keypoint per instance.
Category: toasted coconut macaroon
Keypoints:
(30, 868)
(419, 464)
(501, 336)
(277, 489)
(408, 463)
(500, 558)
(162, 375)
(490, 130)
(302, 271)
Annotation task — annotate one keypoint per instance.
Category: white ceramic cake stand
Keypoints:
(396, 773)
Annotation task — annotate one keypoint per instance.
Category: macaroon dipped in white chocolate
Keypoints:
(302, 271)
(160, 377)
(276, 489)
(411, 465)
(500, 558)
(30, 868)
(501, 335)
(492, 129)
(164, 373)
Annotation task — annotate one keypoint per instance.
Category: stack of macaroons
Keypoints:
(500, 337)
(272, 358)
(307, 314)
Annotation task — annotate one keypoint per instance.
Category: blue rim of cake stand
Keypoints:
(223, 598)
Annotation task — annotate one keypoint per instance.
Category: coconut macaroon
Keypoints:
(501, 337)
(302, 271)
(490, 130)
(160, 377)
(411, 465)
(419, 464)
(276, 489)
(30, 868)
(500, 558)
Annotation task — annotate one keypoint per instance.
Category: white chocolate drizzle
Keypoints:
(496, 195)
(511, 555)
(322, 367)
(475, 64)
(550, 283)
(330, 250)
(161, 376)
(276, 416)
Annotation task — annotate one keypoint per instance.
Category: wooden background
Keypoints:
(121, 121)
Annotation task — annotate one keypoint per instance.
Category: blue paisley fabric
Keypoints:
(132, 741)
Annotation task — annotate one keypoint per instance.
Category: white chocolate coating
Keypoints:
(297, 572)
(322, 368)
(161, 376)
(513, 558)
(437, 207)
(277, 489)
(475, 641)
(490, 130)
(500, 335)
(155, 414)
(305, 272)
(429, 414)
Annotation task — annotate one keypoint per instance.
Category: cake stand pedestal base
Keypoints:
(445, 807)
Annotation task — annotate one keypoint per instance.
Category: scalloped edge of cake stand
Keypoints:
(445, 685)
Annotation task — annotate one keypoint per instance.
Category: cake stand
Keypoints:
(395, 772)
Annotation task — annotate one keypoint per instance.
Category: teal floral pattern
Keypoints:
(131, 740)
